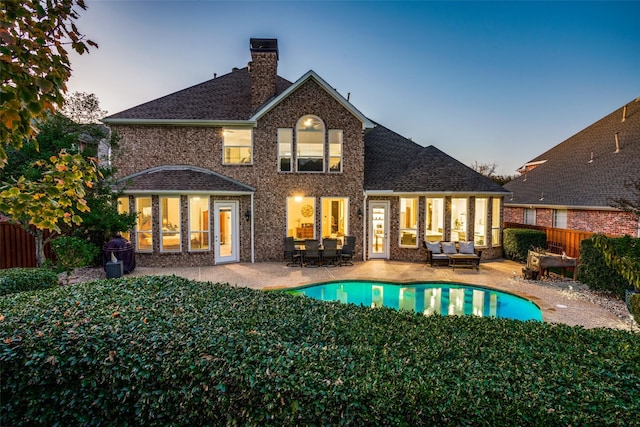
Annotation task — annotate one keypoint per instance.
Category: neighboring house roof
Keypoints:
(587, 170)
(396, 164)
(182, 179)
(224, 98)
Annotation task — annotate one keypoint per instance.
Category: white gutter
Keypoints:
(253, 239)
(434, 193)
(364, 228)
(194, 192)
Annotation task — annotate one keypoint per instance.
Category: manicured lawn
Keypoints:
(169, 351)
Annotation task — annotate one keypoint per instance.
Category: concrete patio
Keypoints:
(558, 302)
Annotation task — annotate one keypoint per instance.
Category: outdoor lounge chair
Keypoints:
(291, 255)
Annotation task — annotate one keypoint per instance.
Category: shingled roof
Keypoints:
(588, 169)
(397, 164)
(227, 97)
(181, 179)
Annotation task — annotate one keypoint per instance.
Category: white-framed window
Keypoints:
(459, 219)
(480, 221)
(285, 150)
(434, 219)
(496, 224)
(310, 144)
(237, 146)
(123, 208)
(408, 222)
(144, 224)
(559, 218)
(301, 217)
(530, 216)
(170, 224)
(199, 236)
(335, 217)
(335, 150)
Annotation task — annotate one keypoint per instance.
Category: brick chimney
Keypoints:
(263, 68)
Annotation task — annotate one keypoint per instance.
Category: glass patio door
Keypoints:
(226, 241)
(379, 230)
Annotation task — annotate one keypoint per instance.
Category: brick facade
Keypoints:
(614, 223)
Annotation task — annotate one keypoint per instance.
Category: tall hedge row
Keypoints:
(518, 241)
(14, 280)
(168, 351)
(596, 274)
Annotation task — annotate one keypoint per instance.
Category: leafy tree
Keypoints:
(83, 108)
(489, 170)
(629, 204)
(35, 63)
(52, 201)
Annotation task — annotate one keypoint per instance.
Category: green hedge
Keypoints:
(596, 274)
(168, 351)
(518, 241)
(26, 279)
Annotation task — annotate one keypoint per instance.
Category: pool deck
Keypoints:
(558, 303)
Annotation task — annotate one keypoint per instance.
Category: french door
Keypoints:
(226, 235)
(379, 230)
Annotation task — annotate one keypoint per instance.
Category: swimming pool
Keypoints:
(428, 298)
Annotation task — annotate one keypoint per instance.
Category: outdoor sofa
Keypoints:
(452, 253)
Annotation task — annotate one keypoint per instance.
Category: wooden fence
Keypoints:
(568, 239)
(17, 247)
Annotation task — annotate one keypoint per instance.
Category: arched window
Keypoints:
(310, 144)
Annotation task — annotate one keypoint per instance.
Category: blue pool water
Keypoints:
(427, 298)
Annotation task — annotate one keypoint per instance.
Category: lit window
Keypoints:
(237, 146)
(170, 224)
(144, 225)
(435, 214)
(301, 217)
(496, 224)
(310, 144)
(198, 223)
(335, 150)
(285, 149)
(123, 208)
(559, 218)
(530, 216)
(480, 221)
(335, 218)
(459, 220)
(409, 222)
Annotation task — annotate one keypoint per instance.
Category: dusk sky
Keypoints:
(486, 82)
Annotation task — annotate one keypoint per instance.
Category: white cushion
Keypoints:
(434, 247)
(449, 248)
(466, 248)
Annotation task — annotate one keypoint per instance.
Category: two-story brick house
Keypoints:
(224, 170)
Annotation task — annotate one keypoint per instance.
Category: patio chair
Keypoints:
(348, 250)
(291, 255)
(311, 253)
(330, 252)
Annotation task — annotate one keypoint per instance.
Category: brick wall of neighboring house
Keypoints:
(143, 147)
(614, 223)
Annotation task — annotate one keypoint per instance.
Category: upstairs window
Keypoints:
(559, 218)
(285, 149)
(237, 146)
(335, 150)
(530, 216)
(310, 144)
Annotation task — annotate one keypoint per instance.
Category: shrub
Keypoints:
(169, 351)
(518, 241)
(596, 274)
(634, 306)
(73, 252)
(26, 279)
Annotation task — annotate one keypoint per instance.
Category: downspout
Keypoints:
(253, 240)
(364, 228)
